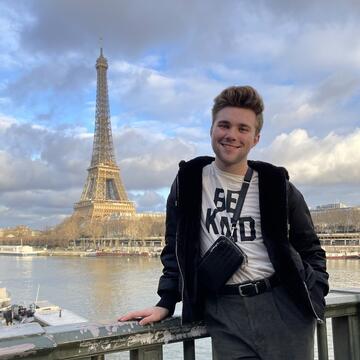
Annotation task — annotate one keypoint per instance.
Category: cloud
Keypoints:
(59, 201)
(171, 66)
(6, 122)
(322, 11)
(167, 61)
(332, 160)
(41, 91)
(33, 157)
(319, 107)
(11, 27)
(148, 201)
(63, 75)
(337, 89)
(154, 163)
(297, 110)
(179, 98)
(37, 208)
(337, 50)
(129, 27)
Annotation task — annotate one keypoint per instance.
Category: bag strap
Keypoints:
(239, 205)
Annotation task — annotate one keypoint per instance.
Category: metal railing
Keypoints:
(93, 341)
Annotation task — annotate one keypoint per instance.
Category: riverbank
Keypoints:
(105, 252)
(332, 252)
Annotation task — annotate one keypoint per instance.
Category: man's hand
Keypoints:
(147, 316)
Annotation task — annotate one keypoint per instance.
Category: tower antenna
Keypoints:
(101, 45)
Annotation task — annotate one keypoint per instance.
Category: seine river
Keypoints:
(102, 288)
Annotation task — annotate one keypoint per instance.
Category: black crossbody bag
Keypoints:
(224, 257)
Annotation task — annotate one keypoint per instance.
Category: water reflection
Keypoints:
(344, 273)
(103, 287)
(97, 288)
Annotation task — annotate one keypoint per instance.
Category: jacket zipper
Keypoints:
(182, 279)
(288, 236)
(312, 306)
(176, 249)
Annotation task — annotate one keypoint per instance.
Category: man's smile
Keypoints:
(230, 145)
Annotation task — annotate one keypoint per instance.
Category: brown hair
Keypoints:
(243, 97)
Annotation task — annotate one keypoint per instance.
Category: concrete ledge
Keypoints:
(20, 330)
(88, 339)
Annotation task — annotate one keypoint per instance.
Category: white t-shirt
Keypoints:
(219, 196)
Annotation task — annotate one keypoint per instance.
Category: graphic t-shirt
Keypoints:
(219, 196)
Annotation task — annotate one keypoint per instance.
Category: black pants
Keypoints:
(268, 326)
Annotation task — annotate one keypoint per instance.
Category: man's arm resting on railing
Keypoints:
(168, 289)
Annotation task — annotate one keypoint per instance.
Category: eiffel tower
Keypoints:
(104, 193)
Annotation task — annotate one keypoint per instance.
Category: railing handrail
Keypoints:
(90, 340)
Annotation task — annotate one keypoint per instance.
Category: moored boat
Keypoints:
(42, 312)
(19, 250)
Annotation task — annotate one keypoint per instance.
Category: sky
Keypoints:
(168, 59)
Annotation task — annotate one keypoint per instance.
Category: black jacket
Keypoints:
(293, 247)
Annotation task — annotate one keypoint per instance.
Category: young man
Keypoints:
(268, 308)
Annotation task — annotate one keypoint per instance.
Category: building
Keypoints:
(336, 218)
(330, 206)
(103, 193)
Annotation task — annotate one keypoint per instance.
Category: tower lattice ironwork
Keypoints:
(104, 193)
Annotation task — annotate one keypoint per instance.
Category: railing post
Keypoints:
(189, 349)
(322, 343)
(340, 326)
(214, 357)
(147, 353)
(354, 336)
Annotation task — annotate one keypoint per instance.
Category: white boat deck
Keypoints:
(57, 317)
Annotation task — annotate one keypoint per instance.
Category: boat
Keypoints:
(342, 255)
(19, 250)
(42, 312)
(5, 300)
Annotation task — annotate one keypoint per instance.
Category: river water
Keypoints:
(102, 288)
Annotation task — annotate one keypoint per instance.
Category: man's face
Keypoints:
(233, 134)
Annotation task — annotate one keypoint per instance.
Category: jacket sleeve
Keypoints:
(305, 241)
(169, 286)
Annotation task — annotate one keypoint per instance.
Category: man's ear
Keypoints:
(211, 129)
(256, 139)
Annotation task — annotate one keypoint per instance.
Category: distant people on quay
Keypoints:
(240, 249)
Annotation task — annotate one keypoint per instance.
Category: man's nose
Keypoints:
(230, 134)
